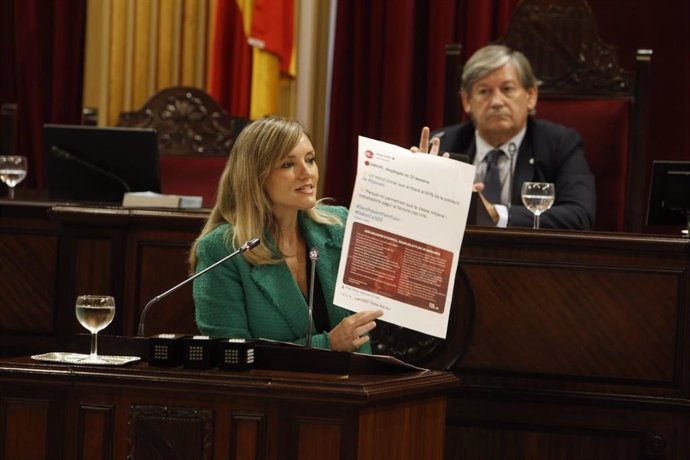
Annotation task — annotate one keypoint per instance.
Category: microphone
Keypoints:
(245, 247)
(512, 150)
(314, 256)
(65, 155)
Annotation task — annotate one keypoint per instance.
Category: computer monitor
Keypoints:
(669, 194)
(88, 163)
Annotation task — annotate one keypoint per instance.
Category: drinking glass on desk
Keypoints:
(538, 197)
(12, 170)
(95, 312)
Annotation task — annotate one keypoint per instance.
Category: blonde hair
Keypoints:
(241, 199)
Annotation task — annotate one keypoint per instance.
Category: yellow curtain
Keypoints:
(134, 48)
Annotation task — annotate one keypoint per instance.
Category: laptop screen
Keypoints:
(669, 194)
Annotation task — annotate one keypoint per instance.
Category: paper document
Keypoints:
(403, 236)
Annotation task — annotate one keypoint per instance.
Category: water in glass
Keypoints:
(95, 312)
(95, 317)
(13, 170)
(538, 197)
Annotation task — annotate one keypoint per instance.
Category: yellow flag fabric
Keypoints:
(248, 83)
(265, 84)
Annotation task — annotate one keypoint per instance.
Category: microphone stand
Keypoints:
(245, 247)
(314, 256)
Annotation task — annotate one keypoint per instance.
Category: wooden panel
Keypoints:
(318, 437)
(27, 282)
(489, 444)
(20, 416)
(28, 270)
(517, 427)
(577, 349)
(248, 436)
(92, 261)
(166, 432)
(599, 323)
(577, 312)
(160, 266)
(421, 425)
(95, 432)
(157, 261)
(161, 413)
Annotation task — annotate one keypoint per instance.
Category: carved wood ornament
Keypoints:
(561, 40)
(188, 121)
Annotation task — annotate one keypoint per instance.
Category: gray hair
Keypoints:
(491, 57)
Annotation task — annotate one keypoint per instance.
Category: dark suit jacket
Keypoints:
(548, 153)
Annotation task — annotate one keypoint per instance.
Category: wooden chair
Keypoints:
(584, 87)
(194, 138)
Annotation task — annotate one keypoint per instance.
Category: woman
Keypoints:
(268, 190)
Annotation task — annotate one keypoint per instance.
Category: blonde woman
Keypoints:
(268, 190)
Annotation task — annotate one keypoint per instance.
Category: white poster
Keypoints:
(403, 236)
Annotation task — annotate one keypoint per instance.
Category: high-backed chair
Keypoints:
(194, 138)
(583, 87)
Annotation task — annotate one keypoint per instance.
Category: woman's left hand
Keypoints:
(351, 332)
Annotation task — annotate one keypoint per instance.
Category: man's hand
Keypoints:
(489, 206)
(424, 146)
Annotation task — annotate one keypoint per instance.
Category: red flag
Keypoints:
(273, 29)
(230, 63)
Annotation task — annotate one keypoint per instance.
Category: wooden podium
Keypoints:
(142, 412)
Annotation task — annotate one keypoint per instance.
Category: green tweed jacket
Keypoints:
(240, 300)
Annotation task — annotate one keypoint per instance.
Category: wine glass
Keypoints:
(95, 312)
(538, 197)
(12, 170)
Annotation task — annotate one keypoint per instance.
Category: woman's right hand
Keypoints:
(351, 332)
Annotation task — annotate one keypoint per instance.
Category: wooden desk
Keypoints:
(579, 347)
(141, 412)
(569, 344)
(53, 252)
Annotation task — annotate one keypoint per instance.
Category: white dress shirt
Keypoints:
(505, 163)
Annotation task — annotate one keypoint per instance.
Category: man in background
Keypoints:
(509, 146)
